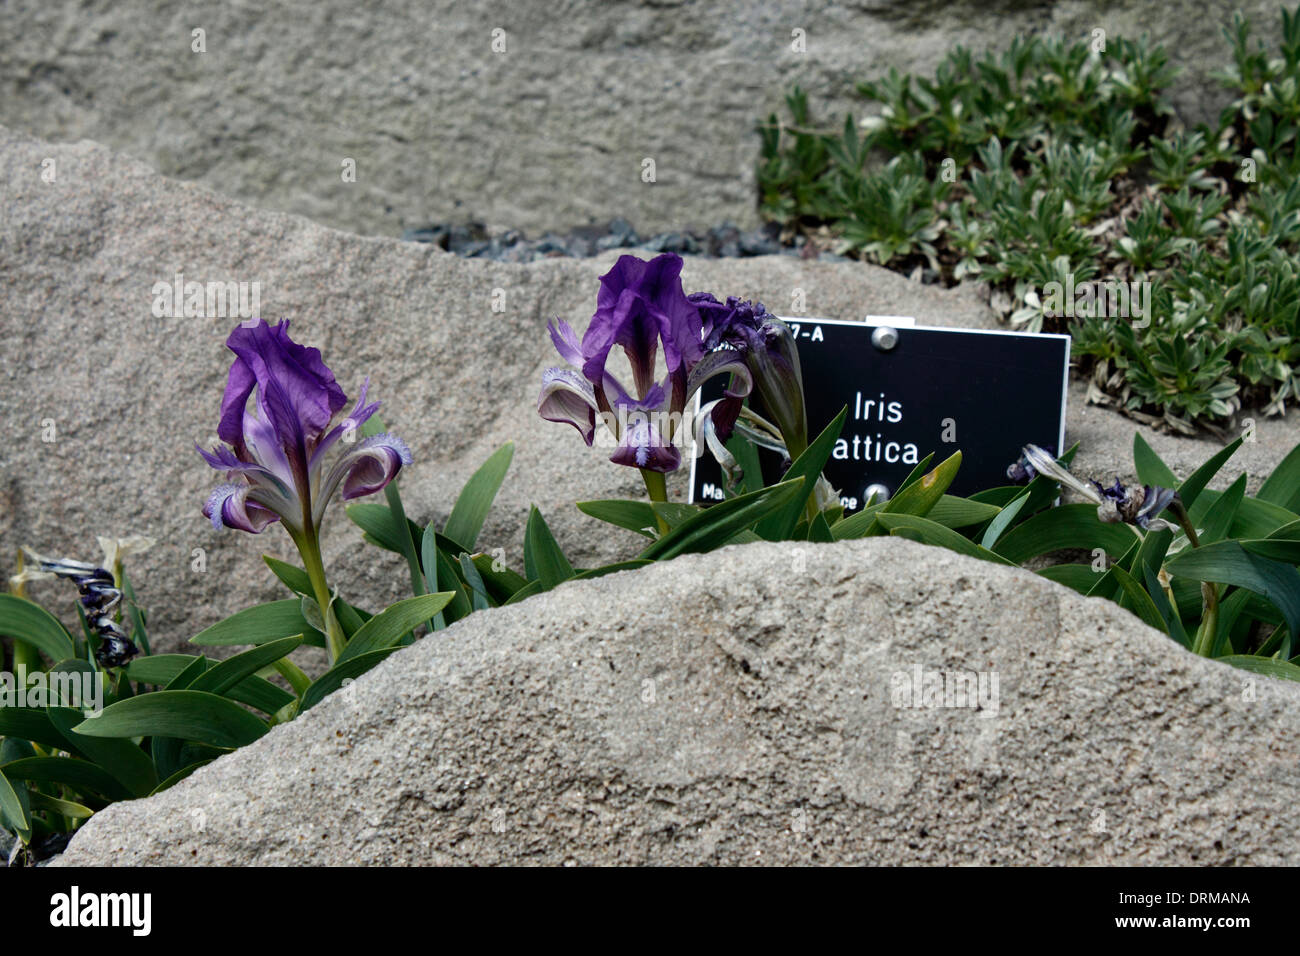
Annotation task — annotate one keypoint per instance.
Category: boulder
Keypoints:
(101, 401)
(532, 116)
(864, 702)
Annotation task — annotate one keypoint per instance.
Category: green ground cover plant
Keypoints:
(1059, 164)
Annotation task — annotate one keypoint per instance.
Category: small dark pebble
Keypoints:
(467, 240)
(437, 235)
(725, 241)
(758, 243)
(677, 242)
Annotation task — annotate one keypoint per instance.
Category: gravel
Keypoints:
(726, 241)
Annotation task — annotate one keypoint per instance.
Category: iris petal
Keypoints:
(375, 463)
(230, 506)
(727, 410)
(567, 397)
(363, 470)
(239, 385)
(1155, 500)
(360, 414)
(642, 446)
(296, 391)
(566, 342)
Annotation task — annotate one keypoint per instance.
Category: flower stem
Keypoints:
(24, 654)
(27, 657)
(309, 547)
(1206, 633)
(292, 673)
(656, 487)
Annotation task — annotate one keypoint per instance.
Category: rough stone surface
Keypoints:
(129, 394)
(656, 717)
(550, 133)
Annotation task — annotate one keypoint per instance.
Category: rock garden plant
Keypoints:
(1057, 172)
(93, 716)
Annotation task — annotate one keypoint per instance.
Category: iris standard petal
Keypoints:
(239, 385)
(640, 305)
(296, 391)
(632, 325)
(661, 286)
(566, 342)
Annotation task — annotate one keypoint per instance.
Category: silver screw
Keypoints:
(879, 491)
(885, 337)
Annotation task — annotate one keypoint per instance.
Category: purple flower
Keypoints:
(640, 308)
(274, 457)
(641, 305)
(767, 348)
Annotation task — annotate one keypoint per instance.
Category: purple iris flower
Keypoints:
(766, 347)
(641, 308)
(276, 449)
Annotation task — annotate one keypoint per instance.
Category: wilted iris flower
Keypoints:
(279, 457)
(100, 597)
(1021, 471)
(1133, 504)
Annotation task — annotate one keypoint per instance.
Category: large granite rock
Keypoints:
(129, 394)
(744, 707)
(545, 124)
